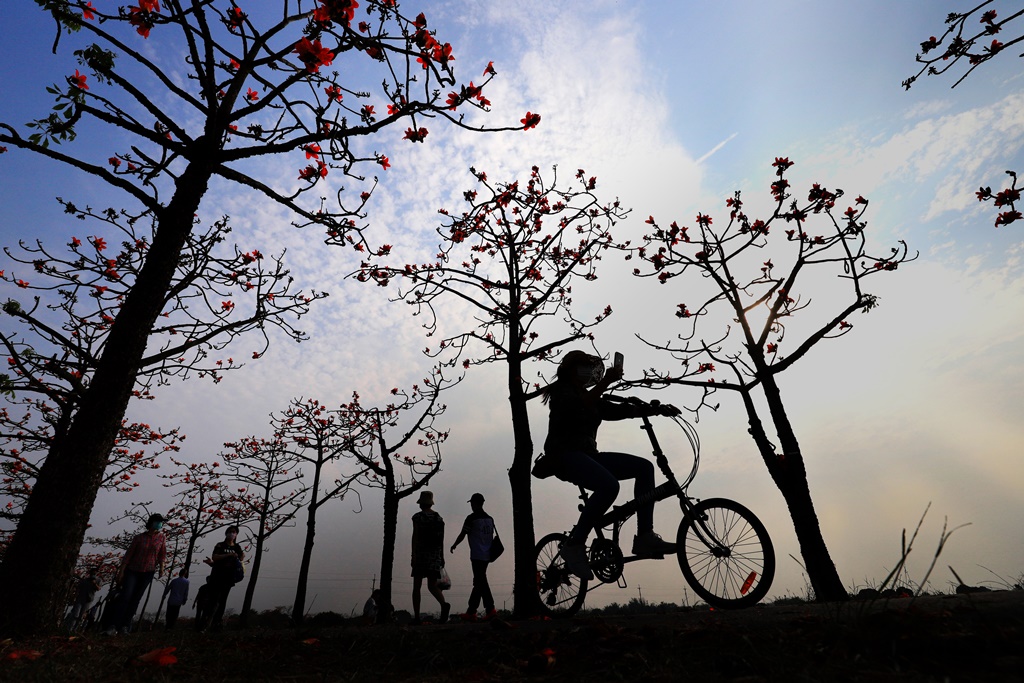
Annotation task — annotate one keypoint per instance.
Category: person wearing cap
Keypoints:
(427, 554)
(145, 557)
(479, 527)
(577, 409)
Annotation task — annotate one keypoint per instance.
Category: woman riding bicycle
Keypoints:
(577, 410)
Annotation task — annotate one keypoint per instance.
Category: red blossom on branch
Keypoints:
(313, 54)
(415, 135)
(78, 81)
(530, 120)
(334, 93)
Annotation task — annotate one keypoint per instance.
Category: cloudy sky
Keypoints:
(673, 106)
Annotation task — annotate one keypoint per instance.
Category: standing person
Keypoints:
(577, 410)
(427, 554)
(85, 594)
(226, 560)
(177, 595)
(479, 527)
(144, 558)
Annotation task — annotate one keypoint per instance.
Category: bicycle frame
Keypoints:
(618, 515)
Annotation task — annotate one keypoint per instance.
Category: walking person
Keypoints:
(177, 596)
(427, 554)
(479, 528)
(226, 561)
(144, 558)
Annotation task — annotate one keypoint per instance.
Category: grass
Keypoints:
(895, 632)
(960, 637)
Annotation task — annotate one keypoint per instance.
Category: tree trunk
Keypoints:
(41, 558)
(790, 475)
(299, 607)
(254, 569)
(526, 600)
(387, 555)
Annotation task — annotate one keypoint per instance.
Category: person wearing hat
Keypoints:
(577, 409)
(427, 554)
(479, 527)
(145, 557)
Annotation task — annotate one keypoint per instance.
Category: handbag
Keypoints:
(497, 547)
(445, 582)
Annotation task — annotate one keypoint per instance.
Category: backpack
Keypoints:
(238, 572)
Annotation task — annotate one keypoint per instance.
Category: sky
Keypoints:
(673, 106)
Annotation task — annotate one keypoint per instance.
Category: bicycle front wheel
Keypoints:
(725, 554)
(561, 592)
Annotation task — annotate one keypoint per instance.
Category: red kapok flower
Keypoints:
(251, 95)
(162, 656)
(384, 162)
(313, 54)
(489, 69)
(78, 81)
(530, 120)
(415, 135)
(87, 11)
(334, 93)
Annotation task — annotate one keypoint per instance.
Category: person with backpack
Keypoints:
(427, 555)
(226, 561)
(479, 527)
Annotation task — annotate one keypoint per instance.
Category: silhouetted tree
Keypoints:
(268, 488)
(958, 43)
(395, 463)
(252, 85)
(512, 257)
(314, 435)
(757, 277)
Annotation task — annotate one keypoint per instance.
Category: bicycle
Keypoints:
(723, 549)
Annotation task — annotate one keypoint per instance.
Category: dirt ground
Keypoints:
(955, 638)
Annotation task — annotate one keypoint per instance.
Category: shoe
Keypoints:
(651, 545)
(445, 609)
(468, 616)
(575, 557)
(125, 630)
(491, 614)
(109, 631)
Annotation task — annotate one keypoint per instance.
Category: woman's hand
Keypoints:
(612, 374)
(668, 410)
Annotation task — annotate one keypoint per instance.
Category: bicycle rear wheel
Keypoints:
(725, 554)
(561, 592)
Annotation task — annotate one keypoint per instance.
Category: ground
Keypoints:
(973, 637)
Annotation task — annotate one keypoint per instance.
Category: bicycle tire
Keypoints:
(737, 578)
(561, 592)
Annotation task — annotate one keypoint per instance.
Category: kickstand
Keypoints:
(622, 581)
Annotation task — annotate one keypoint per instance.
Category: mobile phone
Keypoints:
(618, 361)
